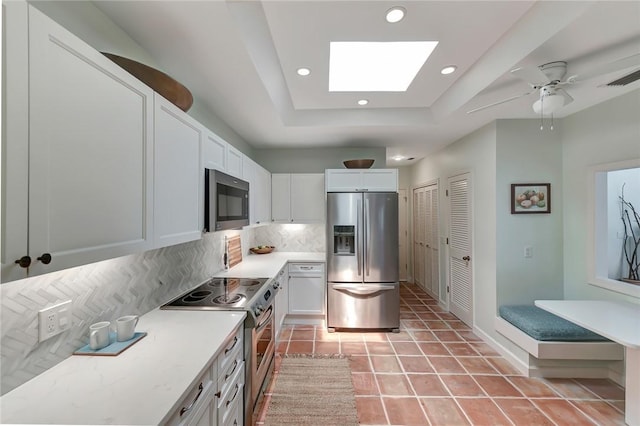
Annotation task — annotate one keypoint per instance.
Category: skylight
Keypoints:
(376, 66)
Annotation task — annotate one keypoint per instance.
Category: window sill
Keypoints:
(617, 286)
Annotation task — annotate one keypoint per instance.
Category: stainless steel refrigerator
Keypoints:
(362, 261)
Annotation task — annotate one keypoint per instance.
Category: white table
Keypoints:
(618, 321)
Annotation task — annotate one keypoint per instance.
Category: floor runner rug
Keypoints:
(313, 391)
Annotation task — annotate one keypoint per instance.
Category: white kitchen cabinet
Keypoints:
(78, 150)
(177, 177)
(307, 285)
(281, 197)
(263, 199)
(282, 298)
(356, 180)
(217, 154)
(234, 162)
(259, 190)
(231, 380)
(297, 197)
(214, 152)
(199, 406)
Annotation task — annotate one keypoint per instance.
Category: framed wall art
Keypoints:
(527, 198)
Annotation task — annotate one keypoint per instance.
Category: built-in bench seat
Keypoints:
(547, 336)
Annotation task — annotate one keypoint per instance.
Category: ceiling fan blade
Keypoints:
(502, 101)
(619, 65)
(567, 97)
(532, 75)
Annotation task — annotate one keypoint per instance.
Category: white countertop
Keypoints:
(145, 383)
(618, 321)
(268, 265)
(142, 385)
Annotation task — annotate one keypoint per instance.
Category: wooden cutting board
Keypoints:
(235, 251)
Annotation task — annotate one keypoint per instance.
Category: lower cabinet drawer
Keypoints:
(234, 416)
(231, 394)
(198, 399)
(232, 346)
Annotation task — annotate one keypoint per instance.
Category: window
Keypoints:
(606, 262)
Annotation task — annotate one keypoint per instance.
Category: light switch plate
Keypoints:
(54, 320)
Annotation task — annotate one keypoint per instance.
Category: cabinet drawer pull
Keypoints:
(230, 348)
(229, 401)
(45, 258)
(24, 261)
(185, 409)
(235, 365)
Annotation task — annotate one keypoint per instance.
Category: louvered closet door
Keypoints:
(418, 237)
(460, 256)
(434, 243)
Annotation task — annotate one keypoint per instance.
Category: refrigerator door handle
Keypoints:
(367, 236)
(358, 237)
(363, 290)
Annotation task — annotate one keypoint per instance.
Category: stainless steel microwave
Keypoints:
(226, 201)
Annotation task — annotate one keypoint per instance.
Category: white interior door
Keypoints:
(434, 243)
(402, 233)
(460, 256)
(418, 236)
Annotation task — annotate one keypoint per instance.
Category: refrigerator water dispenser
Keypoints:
(344, 240)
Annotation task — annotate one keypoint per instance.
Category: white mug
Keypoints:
(126, 327)
(99, 335)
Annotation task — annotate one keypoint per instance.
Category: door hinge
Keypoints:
(447, 289)
(447, 241)
(446, 192)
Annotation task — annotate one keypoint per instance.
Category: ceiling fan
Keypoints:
(547, 81)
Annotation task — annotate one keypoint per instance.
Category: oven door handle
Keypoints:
(267, 317)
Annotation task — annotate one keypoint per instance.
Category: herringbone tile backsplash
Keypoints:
(100, 291)
(106, 290)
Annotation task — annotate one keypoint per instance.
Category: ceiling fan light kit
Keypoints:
(548, 103)
(547, 80)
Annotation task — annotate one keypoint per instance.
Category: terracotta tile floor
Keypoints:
(437, 372)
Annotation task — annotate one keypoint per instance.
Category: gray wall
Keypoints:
(605, 133)
(315, 160)
(526, 154)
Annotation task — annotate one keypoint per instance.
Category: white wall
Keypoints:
(526, 154)
(605, 133)
(474, 153)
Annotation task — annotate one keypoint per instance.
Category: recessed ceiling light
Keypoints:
(376, 66)
(363, 102)
(397, 157)
(303, 71)
(395, 14)
(448, 69)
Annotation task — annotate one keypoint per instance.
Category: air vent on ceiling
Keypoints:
(627, 79)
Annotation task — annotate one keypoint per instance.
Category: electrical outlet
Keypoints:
(528, 251)
(54, 320)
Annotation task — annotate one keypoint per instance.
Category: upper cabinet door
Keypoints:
(234, 162)
(380, 180)
(263, 199)
(214, 152)
(281, 197)
(90, 163)
(358, 180)
(177, 183)
(343, 180)
(307, 197)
